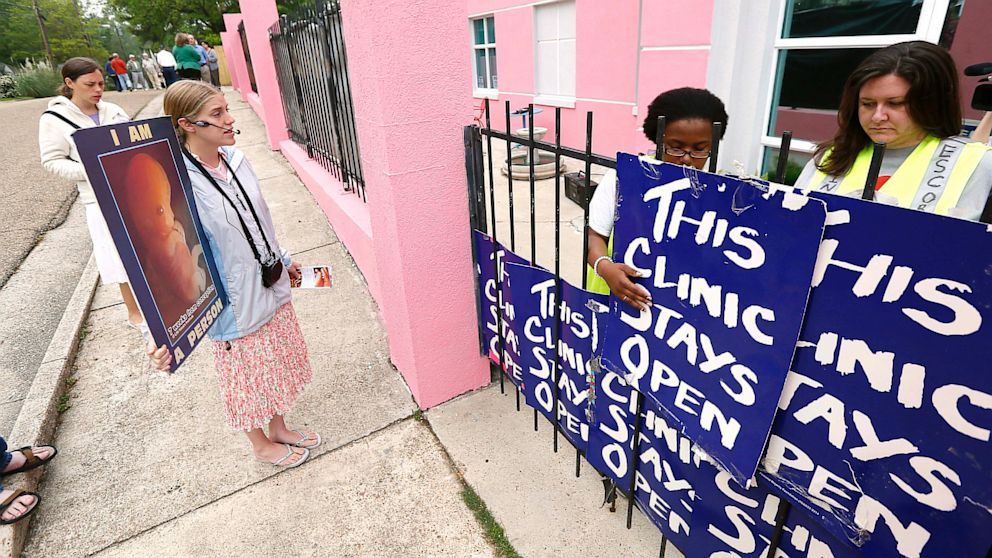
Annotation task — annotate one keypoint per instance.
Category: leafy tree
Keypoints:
(156, 22)
(71, 31)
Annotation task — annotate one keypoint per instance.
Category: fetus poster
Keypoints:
(145, 197)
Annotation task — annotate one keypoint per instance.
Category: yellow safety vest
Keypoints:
(595, 283)
(925, 168)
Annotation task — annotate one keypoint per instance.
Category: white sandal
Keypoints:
(303, 438)
(289, 454)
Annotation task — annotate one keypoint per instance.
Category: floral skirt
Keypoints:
(263, 373)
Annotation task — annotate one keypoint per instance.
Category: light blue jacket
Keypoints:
(249, 305)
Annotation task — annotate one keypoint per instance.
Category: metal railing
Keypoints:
(247, 51)
(490, 158)
(312, 68)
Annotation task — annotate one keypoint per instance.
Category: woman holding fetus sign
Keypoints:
(259, 351)
(78, 105)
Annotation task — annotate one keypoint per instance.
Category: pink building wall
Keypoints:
(627, 51)
(412, 239)
(268, 101)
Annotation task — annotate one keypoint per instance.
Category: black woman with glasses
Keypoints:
(689, 116)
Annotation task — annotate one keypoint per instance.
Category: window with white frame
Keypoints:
(554, 48)
(820, 43)
(484, 54)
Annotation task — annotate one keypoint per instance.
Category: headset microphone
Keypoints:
(204, 124)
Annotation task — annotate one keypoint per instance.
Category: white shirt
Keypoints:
(165, 59)
(603, 205)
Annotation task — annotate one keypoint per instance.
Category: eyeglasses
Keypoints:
(676, 152)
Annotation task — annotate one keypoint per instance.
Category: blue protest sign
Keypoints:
(496, 309)
(885, 423)
(579, 316)
(728, 267)
(693, 502)
(145, 196)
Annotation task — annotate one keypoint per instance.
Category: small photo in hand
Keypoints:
(313, 277)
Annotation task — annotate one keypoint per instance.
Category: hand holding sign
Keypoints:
(616, 276)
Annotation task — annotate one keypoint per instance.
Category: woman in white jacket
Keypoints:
(259, 351)
(79, 105)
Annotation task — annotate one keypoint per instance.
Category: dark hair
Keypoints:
(685, 103)
(73, 69)
(932, 101)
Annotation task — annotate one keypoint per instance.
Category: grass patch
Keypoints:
(418, 415)
(84, 331)
(493, 530)
(64, 404)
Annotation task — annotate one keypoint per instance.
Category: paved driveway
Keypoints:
(32, 201)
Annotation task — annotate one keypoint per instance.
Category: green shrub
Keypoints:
(37, 80)
(8, 87)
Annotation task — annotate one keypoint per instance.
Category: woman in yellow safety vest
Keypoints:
(689, 116)
(905, 96)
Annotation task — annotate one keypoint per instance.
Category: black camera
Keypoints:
(271, 273)
(982, 98)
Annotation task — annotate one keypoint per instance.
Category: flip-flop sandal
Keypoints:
(31, 461)
(303, 438)
(289, 454)
(13, 498)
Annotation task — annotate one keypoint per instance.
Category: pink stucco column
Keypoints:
(231, 40)
(410, 89)
(258, 18)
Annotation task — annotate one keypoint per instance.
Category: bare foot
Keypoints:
(307, 439)
(17, 458)
(19, 508)
(281, 455)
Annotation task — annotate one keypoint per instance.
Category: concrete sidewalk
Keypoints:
(148, 467)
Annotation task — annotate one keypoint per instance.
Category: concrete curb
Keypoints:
(36, 421)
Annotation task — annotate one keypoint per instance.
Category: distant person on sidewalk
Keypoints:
(15, 505)
(153, 73)
(136, 72)
(212, 64)
(187, 59)
(109, 68)
(80, 105)
(204, 62)
(259, 352)
(120, 68)
(167, 62)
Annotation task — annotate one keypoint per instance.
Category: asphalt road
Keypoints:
(32, 201)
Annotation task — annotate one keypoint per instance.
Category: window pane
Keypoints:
(491, 29)
(492, 68)
(480, 69)
(545, 22)
(566, 71)
(808, 88)
(479, 31)
(832, 18)
(566, 20)
(547, 68)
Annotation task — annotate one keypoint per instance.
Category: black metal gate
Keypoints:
(247, 51)
(312, 68)
(484, 212)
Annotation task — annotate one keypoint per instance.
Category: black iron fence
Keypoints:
(247, 51)
(312, 68)
(492, 203)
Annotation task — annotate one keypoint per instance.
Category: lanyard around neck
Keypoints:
(251, 207)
